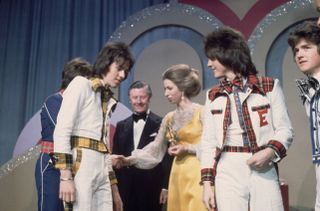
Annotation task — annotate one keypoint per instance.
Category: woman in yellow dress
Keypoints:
(179, 133)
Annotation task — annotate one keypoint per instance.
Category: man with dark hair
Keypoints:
(304, 41)
(246, 130)
(140, 189)
(80, 150)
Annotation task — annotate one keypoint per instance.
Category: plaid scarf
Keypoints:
(227, 85)
(106, 94)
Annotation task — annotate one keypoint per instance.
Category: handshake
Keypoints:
(119, 161)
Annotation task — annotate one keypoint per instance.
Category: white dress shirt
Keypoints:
(137, 130)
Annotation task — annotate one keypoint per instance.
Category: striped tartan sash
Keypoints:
(88, 143)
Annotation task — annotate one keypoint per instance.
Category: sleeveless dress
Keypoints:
(185, 192)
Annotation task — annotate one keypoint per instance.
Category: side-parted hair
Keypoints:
(308, 30)
(75, 67)
(230, 48)
(118, 52)
(139, 85)
(185, 78)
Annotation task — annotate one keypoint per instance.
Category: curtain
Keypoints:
(37, 37)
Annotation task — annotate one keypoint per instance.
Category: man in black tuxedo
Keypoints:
(140, 190)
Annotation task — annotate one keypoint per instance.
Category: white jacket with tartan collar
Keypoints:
(268, 114)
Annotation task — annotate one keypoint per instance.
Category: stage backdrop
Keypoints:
(39, 36)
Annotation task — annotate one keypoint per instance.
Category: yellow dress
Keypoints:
(185, 192)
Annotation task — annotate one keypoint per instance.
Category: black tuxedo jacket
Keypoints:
(140, 189)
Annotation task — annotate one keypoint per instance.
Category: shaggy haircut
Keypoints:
(229, 47)
(75, 67)
(185, 78)
(308, 30)
(117, 52)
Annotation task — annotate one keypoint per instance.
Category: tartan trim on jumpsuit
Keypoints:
(248, 123)
(260, 85)
(105, 91)
(68, 206)
(88, 143)
(106, 94)
(113, 178)
(257, 108)
(278, 148)
(62, 160)
(227, 118)
(267, 84)
(46, 146)
(214, 93)
(246, 149)
(207, 174)
(65, 161)
(76, 164)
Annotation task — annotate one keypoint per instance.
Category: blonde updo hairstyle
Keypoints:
(185, 78)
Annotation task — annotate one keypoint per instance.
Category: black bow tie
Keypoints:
(137, 117)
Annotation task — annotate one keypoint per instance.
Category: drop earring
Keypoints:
(182, 96)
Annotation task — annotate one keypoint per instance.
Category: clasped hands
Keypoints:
(119, 161)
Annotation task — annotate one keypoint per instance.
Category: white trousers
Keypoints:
(317, 205)
(93, 190)
(238, 187)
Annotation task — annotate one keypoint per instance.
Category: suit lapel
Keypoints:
(128, 127)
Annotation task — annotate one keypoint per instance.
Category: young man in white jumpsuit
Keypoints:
(246, 130)
(81, 137)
